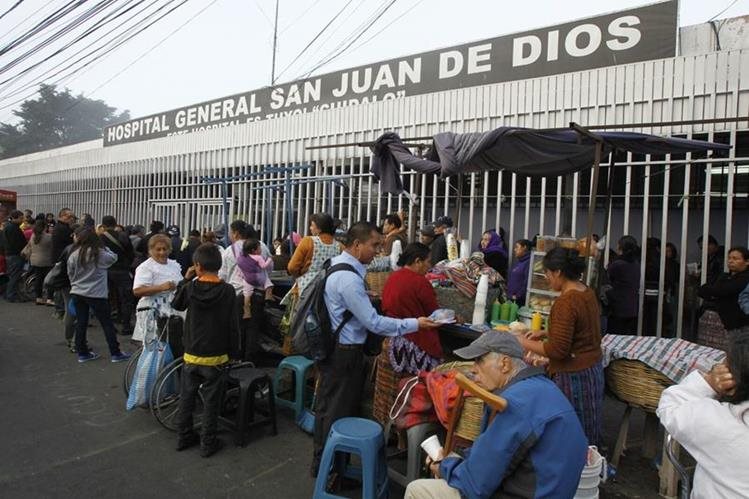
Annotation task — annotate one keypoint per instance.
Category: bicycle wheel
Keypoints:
(165, 395)
(129, 372)
(25, 287)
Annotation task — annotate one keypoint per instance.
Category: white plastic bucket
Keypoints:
(594, 472)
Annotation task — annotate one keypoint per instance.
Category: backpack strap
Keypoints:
(347, 315)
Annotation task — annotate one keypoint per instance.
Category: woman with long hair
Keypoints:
(39, 252)
(87, 270)
(708, 414)
(573, 340)
(314, 250)
(624, 277)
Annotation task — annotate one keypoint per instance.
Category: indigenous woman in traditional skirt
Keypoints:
(723, 315)
(155, 283)
(406, 292)
(573, 340)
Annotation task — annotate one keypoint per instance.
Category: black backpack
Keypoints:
(310, 329)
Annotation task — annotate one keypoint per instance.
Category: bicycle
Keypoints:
(164, 400)
(129, 372)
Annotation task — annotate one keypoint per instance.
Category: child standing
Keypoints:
(254, 270)
(211, 336)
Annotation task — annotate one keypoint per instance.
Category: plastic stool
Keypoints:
(251, 382)
(299, 365)
(356, 436)
(414, 453)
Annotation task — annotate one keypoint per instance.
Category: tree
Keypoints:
(54, 119)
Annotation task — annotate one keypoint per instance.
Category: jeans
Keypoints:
(212, 379)
(39, 274)
(100, 307)
(68, 319)
(14, 269)
(122, 285)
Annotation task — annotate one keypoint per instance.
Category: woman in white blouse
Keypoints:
(155, 283)
(708, 414)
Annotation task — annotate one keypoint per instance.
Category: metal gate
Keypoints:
(202, 215)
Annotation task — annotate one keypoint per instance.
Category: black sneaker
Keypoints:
(211, 449)
(190, 440)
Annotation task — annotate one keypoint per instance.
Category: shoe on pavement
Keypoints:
(71, 346)
(86, 357)
(211, 449)
(121, 357)
(185, 442)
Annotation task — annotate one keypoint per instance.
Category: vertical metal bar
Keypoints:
(542, 208)
(575, 194)
(664, 237)
(730, 194)
(706, 214)
(627, 192)
(527, 221)
(683, 244)
(485, 202)
(644, 237)
(471, 204)
(558, 214)
(513, 192)
(498, 220)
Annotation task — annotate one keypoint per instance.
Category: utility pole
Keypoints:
(275, 41)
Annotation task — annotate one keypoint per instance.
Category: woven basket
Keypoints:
(469, 424)
(636, 383)
(453, 299)
(376, 281)
(386, 386)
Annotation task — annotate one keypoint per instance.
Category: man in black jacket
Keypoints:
(62, 234)
(119, 277)
(14, 244)
(439, 244)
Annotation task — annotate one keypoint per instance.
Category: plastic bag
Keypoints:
(156, 354)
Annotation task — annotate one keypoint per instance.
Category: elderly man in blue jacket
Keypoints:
(535, 448)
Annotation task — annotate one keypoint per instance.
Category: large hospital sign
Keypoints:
(634, 35)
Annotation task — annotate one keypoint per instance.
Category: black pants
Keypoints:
(622, 325)
(339, 393)
(121, 284)
(254, 326)
(39, 274)
(212, 379)
(100, 307)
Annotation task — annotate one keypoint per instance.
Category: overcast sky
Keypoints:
(226, 48)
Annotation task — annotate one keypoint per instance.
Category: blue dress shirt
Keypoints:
(345, 291)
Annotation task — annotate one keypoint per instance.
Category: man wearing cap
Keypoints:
(534, 448)
(439, 244)
(426, 235)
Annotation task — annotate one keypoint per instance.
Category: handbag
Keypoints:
(156, 354)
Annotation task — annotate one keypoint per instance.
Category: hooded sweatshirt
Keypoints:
(211, 333)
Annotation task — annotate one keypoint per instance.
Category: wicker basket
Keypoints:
(636, 383)
(386, 386)
(469, 424)
(453, 299)
(376, 281)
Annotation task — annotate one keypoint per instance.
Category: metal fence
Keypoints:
(672, 198)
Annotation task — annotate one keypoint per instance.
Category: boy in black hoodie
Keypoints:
(211, 337)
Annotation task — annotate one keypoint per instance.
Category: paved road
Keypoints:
(65, 433)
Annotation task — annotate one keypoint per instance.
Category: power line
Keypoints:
(301, 16)
(43, 24)
(144, 54)
(7, 82)
(722, 11)
(110, 50)
(343, 50)
(397, 18)
(14, 28)
(314, 39)
(19, 2)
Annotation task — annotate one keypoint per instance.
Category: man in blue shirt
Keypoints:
(534, 448)
(342, 373)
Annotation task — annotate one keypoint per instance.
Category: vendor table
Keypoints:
(454, 336)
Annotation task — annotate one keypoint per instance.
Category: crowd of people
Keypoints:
(140, 279)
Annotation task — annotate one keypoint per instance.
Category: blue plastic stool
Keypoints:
(299, 365)
(356, 436)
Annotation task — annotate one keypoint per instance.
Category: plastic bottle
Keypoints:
(465, 249)
(536, 321)
(513, 311)
(504, 314)
(452, 246)
(496, 306)
(479, 309)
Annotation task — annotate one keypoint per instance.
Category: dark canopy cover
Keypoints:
(521, 150)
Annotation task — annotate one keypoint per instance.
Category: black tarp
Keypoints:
(529, 152)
